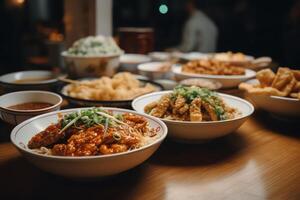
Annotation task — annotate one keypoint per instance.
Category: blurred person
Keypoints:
(200, 33)
(292, 37)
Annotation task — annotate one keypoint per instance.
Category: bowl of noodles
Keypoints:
(193, 113)
(118, 91)
(89, 142)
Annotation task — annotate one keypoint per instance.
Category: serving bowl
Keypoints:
(153, 70)
(160, 56)
(91, 66)
(129, 62)
(194, 131)
(281, 106)
(227, 81)
(14, 117)
(202, 83)
(29, 80)
(86, 166)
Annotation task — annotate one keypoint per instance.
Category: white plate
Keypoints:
(160, 56)
(282, 106)
(86, 166)
(129, 62)
(227, 81)
(151, 70)
(185, 130)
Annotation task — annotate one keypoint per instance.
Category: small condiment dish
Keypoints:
(14, 116)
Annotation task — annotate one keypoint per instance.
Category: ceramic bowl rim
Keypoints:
(14, 111)
(110, 55)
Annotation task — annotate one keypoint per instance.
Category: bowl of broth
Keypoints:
(30, 80)
(17, 107)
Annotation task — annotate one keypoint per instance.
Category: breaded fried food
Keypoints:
(195, 110)
(150, 106)
(210, 110)
(284, 83)
(212, 67)
(161, 106)
(296, 74)
(265, 77)
(284, 80)
(191, 104)
(180, 101)
(122, 86)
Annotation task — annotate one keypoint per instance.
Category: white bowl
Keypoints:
(166, 83)
(160, 56)
(91, 66)
(87, 166)
(227, 81)
(10, 81)
(15, 117)
(151, 70)
(129, 62)
(282, 106)
(193, 131)
(195, 56)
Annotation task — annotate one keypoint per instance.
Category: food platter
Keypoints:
(109, 103)
(83, 166)
(227, 81)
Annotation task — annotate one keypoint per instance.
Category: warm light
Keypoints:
(163, 9)
(19, 1)
(15, 3)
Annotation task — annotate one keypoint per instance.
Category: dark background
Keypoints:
(259, 28)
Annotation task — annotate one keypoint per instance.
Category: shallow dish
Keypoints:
(36, 80)
(87, 166)
(160, 56)
(227, 81)
(129, 62)
(193, 131)
(153, 71)
(110, 103)
(202, 83)
(14, 117)
(282, 106)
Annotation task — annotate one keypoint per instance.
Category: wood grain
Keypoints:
(261, 160)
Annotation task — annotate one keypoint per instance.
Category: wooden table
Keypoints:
(261, 160)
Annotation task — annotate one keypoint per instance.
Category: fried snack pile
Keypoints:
(212, 67)
(191, 104)
(285, 83)
(123, 86)
(93, 132)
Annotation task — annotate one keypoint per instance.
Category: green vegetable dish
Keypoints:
(191, 104)
(94, 46)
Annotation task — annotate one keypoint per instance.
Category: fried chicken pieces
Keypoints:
(212, 67)
(178, 108)
(95, 140)
(285, 83)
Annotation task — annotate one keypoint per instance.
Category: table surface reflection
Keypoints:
(261, 160)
